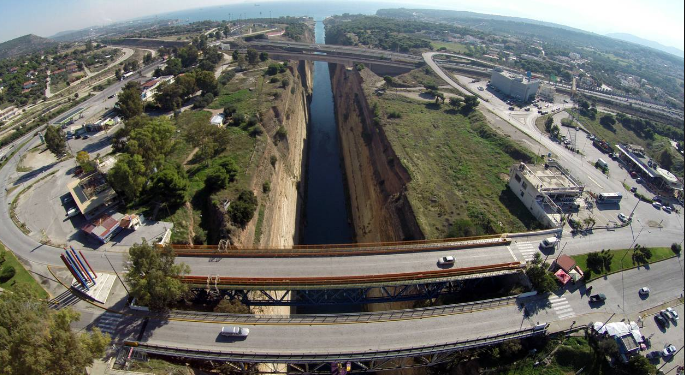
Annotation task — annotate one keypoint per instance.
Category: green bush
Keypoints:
(676, 248)
(573, 357)
(266, 187)
(7, 273)
(242, 209)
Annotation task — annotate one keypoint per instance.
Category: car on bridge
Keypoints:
(446, 261)
(234, 332)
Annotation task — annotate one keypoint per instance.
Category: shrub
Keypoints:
(676, 248)
(285, 82)
(394, 114)
(274, 80)
(266, 187)
(273, 160)
(242, 209)
(7, 273)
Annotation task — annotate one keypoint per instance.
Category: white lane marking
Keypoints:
(566, 316)
(600, 186)
(512, 254)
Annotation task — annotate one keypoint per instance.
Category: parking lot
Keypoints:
(660, 337)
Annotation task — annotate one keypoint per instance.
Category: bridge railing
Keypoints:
(291, 357)
(294, 282)
(407, 314)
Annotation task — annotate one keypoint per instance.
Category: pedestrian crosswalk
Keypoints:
(527, 250)
(561, 307)
(108, 322)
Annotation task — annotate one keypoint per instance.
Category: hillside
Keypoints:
(24, 45)
(647, 43)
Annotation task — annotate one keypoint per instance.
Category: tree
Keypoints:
(216, 179)
(285, 82)
(272, 70)
(607, 347)
(169, 96)
(542, 280)
(153, 141)
(666, 160)
(676, 248)
(242, 209)
(89, 46)
(263, 56)
(388, 80)
(187, 83)
(55, 140)
(470, 103)
(639, 365)
(235, 55)
(455, 102)
(208, 138)
(252, 56)
(608, 121)
(548, 124)
(188, 55)
(206, 82)
(154, 277)
(117, 74)
(147, 58)
(173, 67)
(39, 340)
(83, 160)
(130, 103)
(170, 186)
(127, 177)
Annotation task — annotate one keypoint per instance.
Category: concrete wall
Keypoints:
(526, 192)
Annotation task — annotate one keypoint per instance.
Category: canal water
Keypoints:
(326, 218)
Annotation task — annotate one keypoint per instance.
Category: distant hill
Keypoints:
(24, 45)
(647, 43)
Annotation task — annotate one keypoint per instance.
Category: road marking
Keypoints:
(512, 253)
(600, 186)
(561, 307)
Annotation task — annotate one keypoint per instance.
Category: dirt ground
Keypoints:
(36, 158)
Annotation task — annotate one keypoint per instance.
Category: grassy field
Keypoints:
(159, 367)
(451, 47)
(653, 148)
(22, 280)
(459, 168)
(658, 253)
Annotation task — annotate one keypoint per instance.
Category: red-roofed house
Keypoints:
(104, 227)
(29, 84)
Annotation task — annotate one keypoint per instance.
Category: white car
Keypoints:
(446, 260)
(669, 350)
(622, 217)
(667, 209)
(548, 243)
(234, 331)
(657, 205)
(644, 291)
(674, 314)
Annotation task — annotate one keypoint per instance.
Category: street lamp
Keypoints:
(623, 285)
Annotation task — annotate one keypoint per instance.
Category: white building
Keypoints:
(547, 93)
(513, 85)
(542, 189)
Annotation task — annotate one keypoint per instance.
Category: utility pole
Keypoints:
(623, 285)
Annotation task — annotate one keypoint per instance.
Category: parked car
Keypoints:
(657, 205)
(644, 291)
(622, 217)
(549, 243)
(669, 350)
(668, 209)
(653, 354)
(674, 314)
(633, 189)
(111, 96)
(234, 331)
(657, 199)
(661, 321)
(446, 261)
(597, 298)
(73, 211)
(85, 137)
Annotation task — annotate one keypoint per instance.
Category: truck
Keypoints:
(603, 164)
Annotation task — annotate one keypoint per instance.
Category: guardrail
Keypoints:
(342, 249)
(255, 357)
(303, 282)
(370, 317)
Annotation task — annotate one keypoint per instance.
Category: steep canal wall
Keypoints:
(375, 179)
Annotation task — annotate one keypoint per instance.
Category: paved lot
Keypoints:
(661, 337)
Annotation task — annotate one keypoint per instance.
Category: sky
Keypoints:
(657, 20)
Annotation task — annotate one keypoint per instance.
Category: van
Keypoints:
(549, 243)
(234, 331)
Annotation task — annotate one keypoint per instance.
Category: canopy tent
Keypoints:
(562, 276)
(574, 275)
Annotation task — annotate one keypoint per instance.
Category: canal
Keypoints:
(326, 218)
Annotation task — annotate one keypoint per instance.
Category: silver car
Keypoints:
(446, 261)
(234, 331)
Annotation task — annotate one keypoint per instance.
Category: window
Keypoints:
(517, 178)
(524, 185)
(522, 193)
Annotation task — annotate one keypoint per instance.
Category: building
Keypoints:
(574, 56)
(660, 179)
(547, 92)
(93, 195)
(149, 88)
(217, 119)
(627, 336)
(104, 227)
(516, 86)
(28, 84)
(545, 190)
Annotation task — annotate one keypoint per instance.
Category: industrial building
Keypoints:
(545, 190)
(515, 86)
(659, 178)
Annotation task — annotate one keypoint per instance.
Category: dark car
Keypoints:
(654, 354)
(596, 298)
(85, 137)
(661, 321)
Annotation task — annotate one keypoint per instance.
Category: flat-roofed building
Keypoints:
(514, 85)
(93, 195)
(542, 189)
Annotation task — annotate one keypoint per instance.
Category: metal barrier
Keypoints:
(462, 308)
(414, 351)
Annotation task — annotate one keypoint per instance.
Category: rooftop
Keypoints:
(550, 178)
(91, 192)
